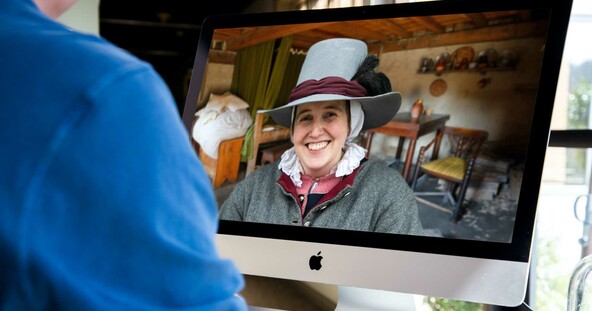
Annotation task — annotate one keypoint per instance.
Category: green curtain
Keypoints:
(277, 75)
(291, 74)
(260, 83)
(251, 72)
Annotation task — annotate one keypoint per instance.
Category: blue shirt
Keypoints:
(103, 203)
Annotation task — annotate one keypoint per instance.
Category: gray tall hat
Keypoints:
(326, 75)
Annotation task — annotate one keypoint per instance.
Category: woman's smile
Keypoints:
(317, 145)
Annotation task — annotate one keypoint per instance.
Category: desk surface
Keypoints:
(404, 125)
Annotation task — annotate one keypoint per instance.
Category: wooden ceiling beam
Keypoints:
(524, 15)
(388, 35)
(258, 35)
(494, 33)
(478, 19)
(393, 27)
(429, 23)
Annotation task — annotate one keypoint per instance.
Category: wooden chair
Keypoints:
(264, 134)
(226, 166)
(455, 169)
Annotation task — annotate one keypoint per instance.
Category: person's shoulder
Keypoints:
(382, 177)
(79, 50)
(372, 168)
(376, 165)
(265, 172)
(84, 61)
(95, 51)
(258, 182)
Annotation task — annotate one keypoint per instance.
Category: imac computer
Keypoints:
(487, 65)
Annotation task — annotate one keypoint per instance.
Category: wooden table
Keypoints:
(405, 126)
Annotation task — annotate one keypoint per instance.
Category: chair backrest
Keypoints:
(262, 135)
(465, 142)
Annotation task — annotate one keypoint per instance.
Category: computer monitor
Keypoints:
(497, 65)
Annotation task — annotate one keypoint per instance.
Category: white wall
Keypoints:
(83, 16)
(499, 108)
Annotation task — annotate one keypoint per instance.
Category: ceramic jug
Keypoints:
(417, 108)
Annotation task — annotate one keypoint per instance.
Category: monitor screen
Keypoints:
(486, 70)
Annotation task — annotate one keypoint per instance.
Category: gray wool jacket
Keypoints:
(372, 198)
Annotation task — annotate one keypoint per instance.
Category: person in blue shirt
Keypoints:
(103, 202)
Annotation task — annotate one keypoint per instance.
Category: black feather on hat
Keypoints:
(374, 82)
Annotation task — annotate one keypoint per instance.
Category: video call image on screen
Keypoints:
(477, 82)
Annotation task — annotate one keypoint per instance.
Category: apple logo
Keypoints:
(315, 261)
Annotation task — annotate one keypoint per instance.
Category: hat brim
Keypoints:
(378, 110)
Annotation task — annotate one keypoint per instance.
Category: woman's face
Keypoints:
(319, 133)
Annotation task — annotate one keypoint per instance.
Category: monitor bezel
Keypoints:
(519, 249)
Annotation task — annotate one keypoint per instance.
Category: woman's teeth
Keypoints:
(317, 146)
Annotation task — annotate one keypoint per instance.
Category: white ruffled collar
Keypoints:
(290, 165)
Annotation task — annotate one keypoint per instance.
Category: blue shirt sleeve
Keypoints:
(120, 214)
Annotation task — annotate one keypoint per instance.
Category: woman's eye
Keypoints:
(330, 115)
(304, 119)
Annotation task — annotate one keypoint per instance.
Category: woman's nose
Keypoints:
(317, 129)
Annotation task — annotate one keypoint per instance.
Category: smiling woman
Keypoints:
(325, 179)
(320, 130)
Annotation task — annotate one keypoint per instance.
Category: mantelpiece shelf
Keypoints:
(477, 70)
